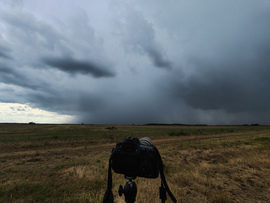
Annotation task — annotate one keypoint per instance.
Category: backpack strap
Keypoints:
(164, 186)
(108, 197)
(162, 193)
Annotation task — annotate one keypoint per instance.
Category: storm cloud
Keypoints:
(73, 66)
(3, 54)
(138, 62)
(138, 35)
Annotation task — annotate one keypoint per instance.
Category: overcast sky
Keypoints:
(136, 61)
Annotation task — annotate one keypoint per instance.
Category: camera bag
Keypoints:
(108, 197)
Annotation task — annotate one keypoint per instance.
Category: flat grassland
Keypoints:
(69, 163)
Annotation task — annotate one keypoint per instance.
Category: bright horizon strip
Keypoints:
(23, 113)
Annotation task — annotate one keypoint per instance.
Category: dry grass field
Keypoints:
(68, 163)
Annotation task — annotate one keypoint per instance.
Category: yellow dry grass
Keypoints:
(214, 167)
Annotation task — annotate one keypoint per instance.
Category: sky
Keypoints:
(135, 62)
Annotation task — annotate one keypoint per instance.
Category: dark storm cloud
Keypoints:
(217, 54)
(226, 65)
(34, 38)
(237, 81)
(4, 55)
(139, 36)
(5, 69)
(20, 78)
(74, 66)
(11, 76)
(5, 52)
(34, 33)
(53, 101)
(159, 59)
(135, 109)
(67, 101)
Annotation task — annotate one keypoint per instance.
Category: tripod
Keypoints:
(129, 190)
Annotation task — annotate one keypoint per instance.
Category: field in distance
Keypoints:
(68, 163)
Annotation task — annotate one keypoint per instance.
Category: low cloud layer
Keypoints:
(74, 66)
(138, 62)
(4, 53)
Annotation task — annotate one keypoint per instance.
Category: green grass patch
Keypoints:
(214, 130)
